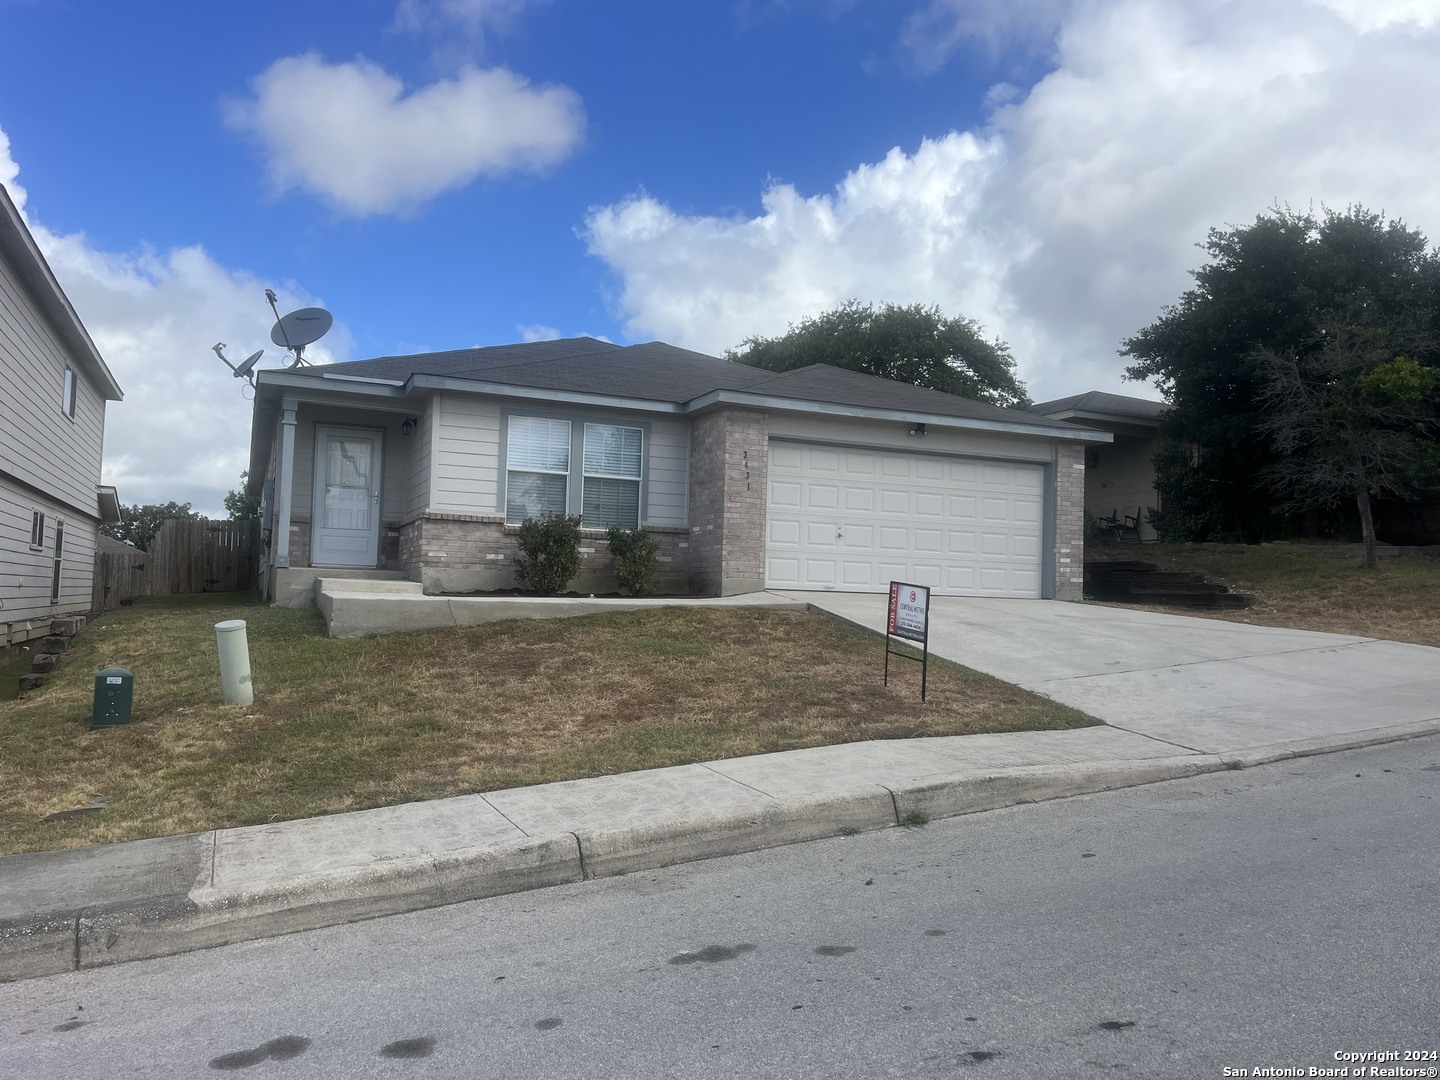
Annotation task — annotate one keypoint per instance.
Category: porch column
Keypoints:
(284, 484)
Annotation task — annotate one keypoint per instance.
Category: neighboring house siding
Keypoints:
(26, 576)
(39, 444)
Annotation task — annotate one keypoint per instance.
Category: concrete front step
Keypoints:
(369, 586)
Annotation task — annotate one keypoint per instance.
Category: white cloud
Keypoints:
(475, 18)
(183, 430)
(1069, 221)
(934, 33)
(537, 332)
(351, 133)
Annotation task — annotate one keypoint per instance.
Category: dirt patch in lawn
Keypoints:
(343, 725)
(1394, 602)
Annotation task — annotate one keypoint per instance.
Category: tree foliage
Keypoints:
(914, 344)
(139, 524)
(1270, 290)
(240, 506)
(1349, 420)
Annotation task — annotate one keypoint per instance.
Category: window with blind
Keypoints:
(541, 479)
(537, 477)
(612, 476)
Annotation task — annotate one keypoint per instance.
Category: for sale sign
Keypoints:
(909, 611)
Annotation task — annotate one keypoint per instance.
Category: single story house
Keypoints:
(1119, 478)
(813, 479)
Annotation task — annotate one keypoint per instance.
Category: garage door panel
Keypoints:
(785, 493)
(893, 538)
(929, 504)
(784, 532)
(820, 534)
(842, 518)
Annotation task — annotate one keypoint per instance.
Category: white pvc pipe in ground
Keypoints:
(234, 662)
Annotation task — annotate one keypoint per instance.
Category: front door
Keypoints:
(346, 513)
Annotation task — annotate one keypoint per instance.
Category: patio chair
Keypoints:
(1131, 526)
(1108, 528)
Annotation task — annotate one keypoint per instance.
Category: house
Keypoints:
(819, 478)
(53, 390)
(1119, 478)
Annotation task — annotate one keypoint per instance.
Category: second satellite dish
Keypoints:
(300, 328)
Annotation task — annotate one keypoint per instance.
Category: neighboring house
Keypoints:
(1119, 478)
(53, 390)
(819, 478)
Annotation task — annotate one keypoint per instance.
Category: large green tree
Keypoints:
(914, 344)
(139, 524)
(1269, 290)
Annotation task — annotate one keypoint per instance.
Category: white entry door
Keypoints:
(854, 520)
(345, 528)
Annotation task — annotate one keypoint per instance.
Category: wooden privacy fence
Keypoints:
(184, 557)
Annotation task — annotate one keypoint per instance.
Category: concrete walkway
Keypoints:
(1186, 696)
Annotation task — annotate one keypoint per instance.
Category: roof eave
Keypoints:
(908, 416)
(24, 255)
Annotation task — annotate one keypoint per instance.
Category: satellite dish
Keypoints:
(300, 328)
(243, 371)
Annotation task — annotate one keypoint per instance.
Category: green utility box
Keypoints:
(114, 694)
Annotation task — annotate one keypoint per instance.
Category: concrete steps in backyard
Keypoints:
(1130, 581)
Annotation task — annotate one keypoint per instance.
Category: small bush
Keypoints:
(634, 551)
(550, 554)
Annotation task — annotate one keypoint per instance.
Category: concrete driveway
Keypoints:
(1202, 684)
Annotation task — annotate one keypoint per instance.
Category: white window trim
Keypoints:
(575, 478)
(69, 393)
(638, 479)
(37, 530)
(58, 571)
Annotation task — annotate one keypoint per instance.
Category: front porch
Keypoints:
(355, 606)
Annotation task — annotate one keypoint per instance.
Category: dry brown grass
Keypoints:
(1398, 601)
(346, 725)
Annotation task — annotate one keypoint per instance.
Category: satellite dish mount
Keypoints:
(298, 329)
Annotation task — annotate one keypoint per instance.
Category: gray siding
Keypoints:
(25, 573)
(39, 444)
(465, 467)
(421, 453)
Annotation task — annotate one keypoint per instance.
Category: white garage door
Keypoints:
(855, 520)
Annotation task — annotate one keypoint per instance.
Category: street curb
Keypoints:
(1330, 744)
(953, 796)
(611, 852)
(207, 916)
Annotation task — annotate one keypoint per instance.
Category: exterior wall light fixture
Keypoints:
(408, 427)
(918, 429)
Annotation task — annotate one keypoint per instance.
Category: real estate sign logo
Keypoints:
(909, 611)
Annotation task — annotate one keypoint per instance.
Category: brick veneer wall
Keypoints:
(461, 553)
(1069, 521)
(300, 544)
(729, 463)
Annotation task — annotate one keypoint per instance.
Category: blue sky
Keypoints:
(448, 173)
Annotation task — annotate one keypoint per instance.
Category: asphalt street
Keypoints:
(1268, 918)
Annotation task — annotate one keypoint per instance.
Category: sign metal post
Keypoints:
(909, 619)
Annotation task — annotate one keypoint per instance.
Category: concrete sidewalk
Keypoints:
(60, 911)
